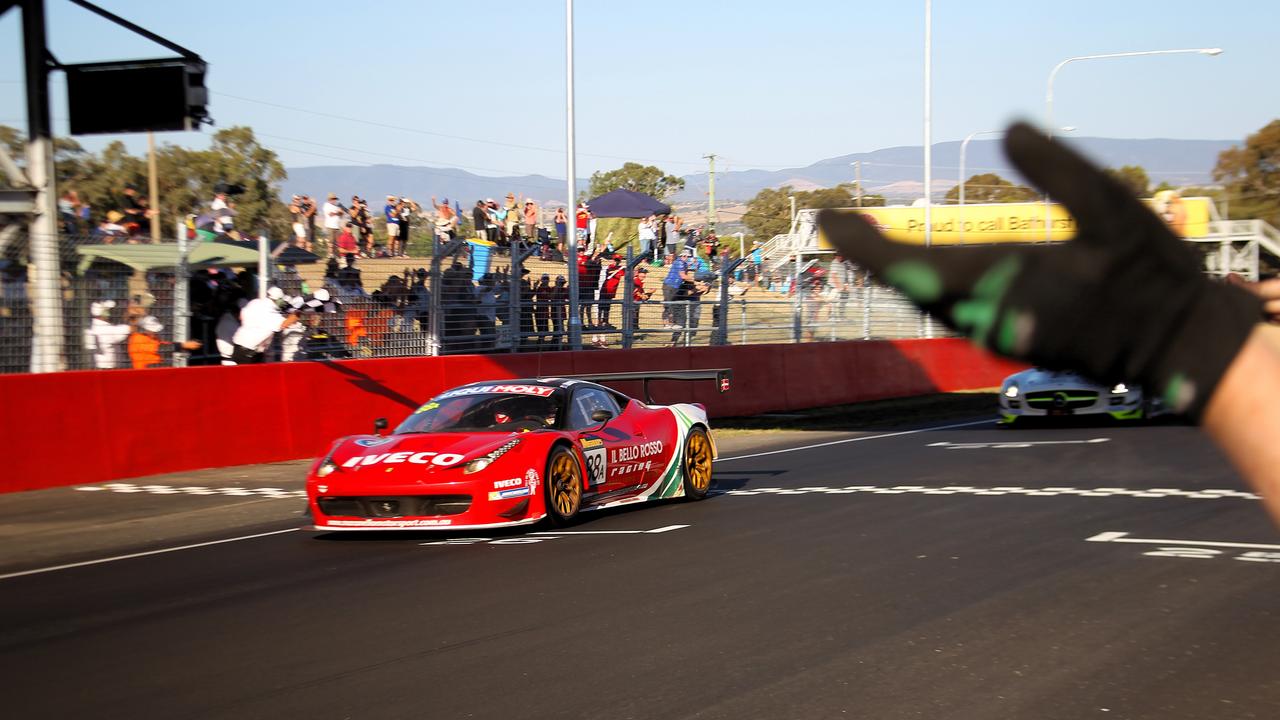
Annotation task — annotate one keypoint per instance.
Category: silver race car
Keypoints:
(1056, 393)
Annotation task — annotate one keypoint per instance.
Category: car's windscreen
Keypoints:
(486, 412)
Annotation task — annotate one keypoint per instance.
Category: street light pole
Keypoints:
(1048, 98)
(575, 323)
(928, 123)
(964, 147)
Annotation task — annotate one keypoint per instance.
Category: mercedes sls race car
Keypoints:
(513, 452)
(1052, 393)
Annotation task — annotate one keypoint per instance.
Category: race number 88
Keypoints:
(595, 465)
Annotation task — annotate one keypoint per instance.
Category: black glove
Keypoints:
(1126, 300)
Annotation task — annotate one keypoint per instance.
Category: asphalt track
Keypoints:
(969, 572)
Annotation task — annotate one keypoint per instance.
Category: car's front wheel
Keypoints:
(697, 464)
(563, 486)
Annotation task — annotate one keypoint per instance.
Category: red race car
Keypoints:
(513, 452)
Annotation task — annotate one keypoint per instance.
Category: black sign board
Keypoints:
(136, 96)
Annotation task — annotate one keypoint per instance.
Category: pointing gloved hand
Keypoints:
(1126, 300)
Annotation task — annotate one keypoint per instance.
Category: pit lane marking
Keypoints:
(1014, 444)
(1207, 494)
(273, 493)
(1195, 549)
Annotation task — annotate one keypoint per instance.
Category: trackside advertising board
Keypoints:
(1017, 222)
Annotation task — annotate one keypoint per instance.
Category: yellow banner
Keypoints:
(1017, 222)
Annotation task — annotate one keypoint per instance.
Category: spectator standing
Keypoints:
(135, 212)
(391, 214)
(403, 217)
(480, 219)
(335, 219)
(530, 220)
(513, 216)
(260, 320)
(446, 221)
(299, 223)
(582, 224)
(757, 259)
(559, 301)
(638, 294)
(672, 229)
(648, 233)
(145, 344)
(611, 278)
(309, 220)
(346, 244)
(588, 277)
(542, 293)
(562, 228)
(104, 339)
(681, 272)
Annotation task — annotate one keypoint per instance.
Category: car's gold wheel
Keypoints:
(697, 463)
(564, 486)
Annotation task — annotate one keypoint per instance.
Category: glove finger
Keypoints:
(1094, 199)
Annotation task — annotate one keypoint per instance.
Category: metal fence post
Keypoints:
(797, 320)
(181, 300)
(628, 285)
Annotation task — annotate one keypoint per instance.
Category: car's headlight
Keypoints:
(1011, 391)
(1120, 389)
(326, 468)
(485, 461)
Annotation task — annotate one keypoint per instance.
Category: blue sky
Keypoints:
(480, 86)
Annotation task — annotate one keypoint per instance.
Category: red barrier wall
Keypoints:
(91, 426)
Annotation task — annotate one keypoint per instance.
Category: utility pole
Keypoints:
(46, 300)
(711, 192)
(857, 179)
(153, 187)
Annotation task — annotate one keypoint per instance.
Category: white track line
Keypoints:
(143, 554)
(857, 439)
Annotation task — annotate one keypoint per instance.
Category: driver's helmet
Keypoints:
(513, 409)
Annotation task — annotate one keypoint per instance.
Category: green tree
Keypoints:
(769, 212)
(1251, 175)
(990, 188)
(1132, 176)
(646, 179)
(868, 199)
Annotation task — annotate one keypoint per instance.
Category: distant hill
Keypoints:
(895, 172)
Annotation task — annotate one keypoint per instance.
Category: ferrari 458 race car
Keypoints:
(1053, 393)
(513, 452)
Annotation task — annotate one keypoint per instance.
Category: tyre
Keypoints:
(696, 464)
(563, 486)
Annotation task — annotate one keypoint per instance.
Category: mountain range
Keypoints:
(897, 173)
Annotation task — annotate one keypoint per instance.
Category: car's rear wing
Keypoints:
(723, 378)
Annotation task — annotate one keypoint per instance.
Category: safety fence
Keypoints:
(126, 304)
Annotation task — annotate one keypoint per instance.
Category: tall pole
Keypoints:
(1048, 97)
(711, 193)
(857, 179)
(964, 147)
(46, 300)
(575, 323)
(928, 122)
(153, 187)
(792, 199)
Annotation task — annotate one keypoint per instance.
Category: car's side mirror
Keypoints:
(379, 425)
(601, 416)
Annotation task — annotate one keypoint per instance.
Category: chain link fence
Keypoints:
(127, 303)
